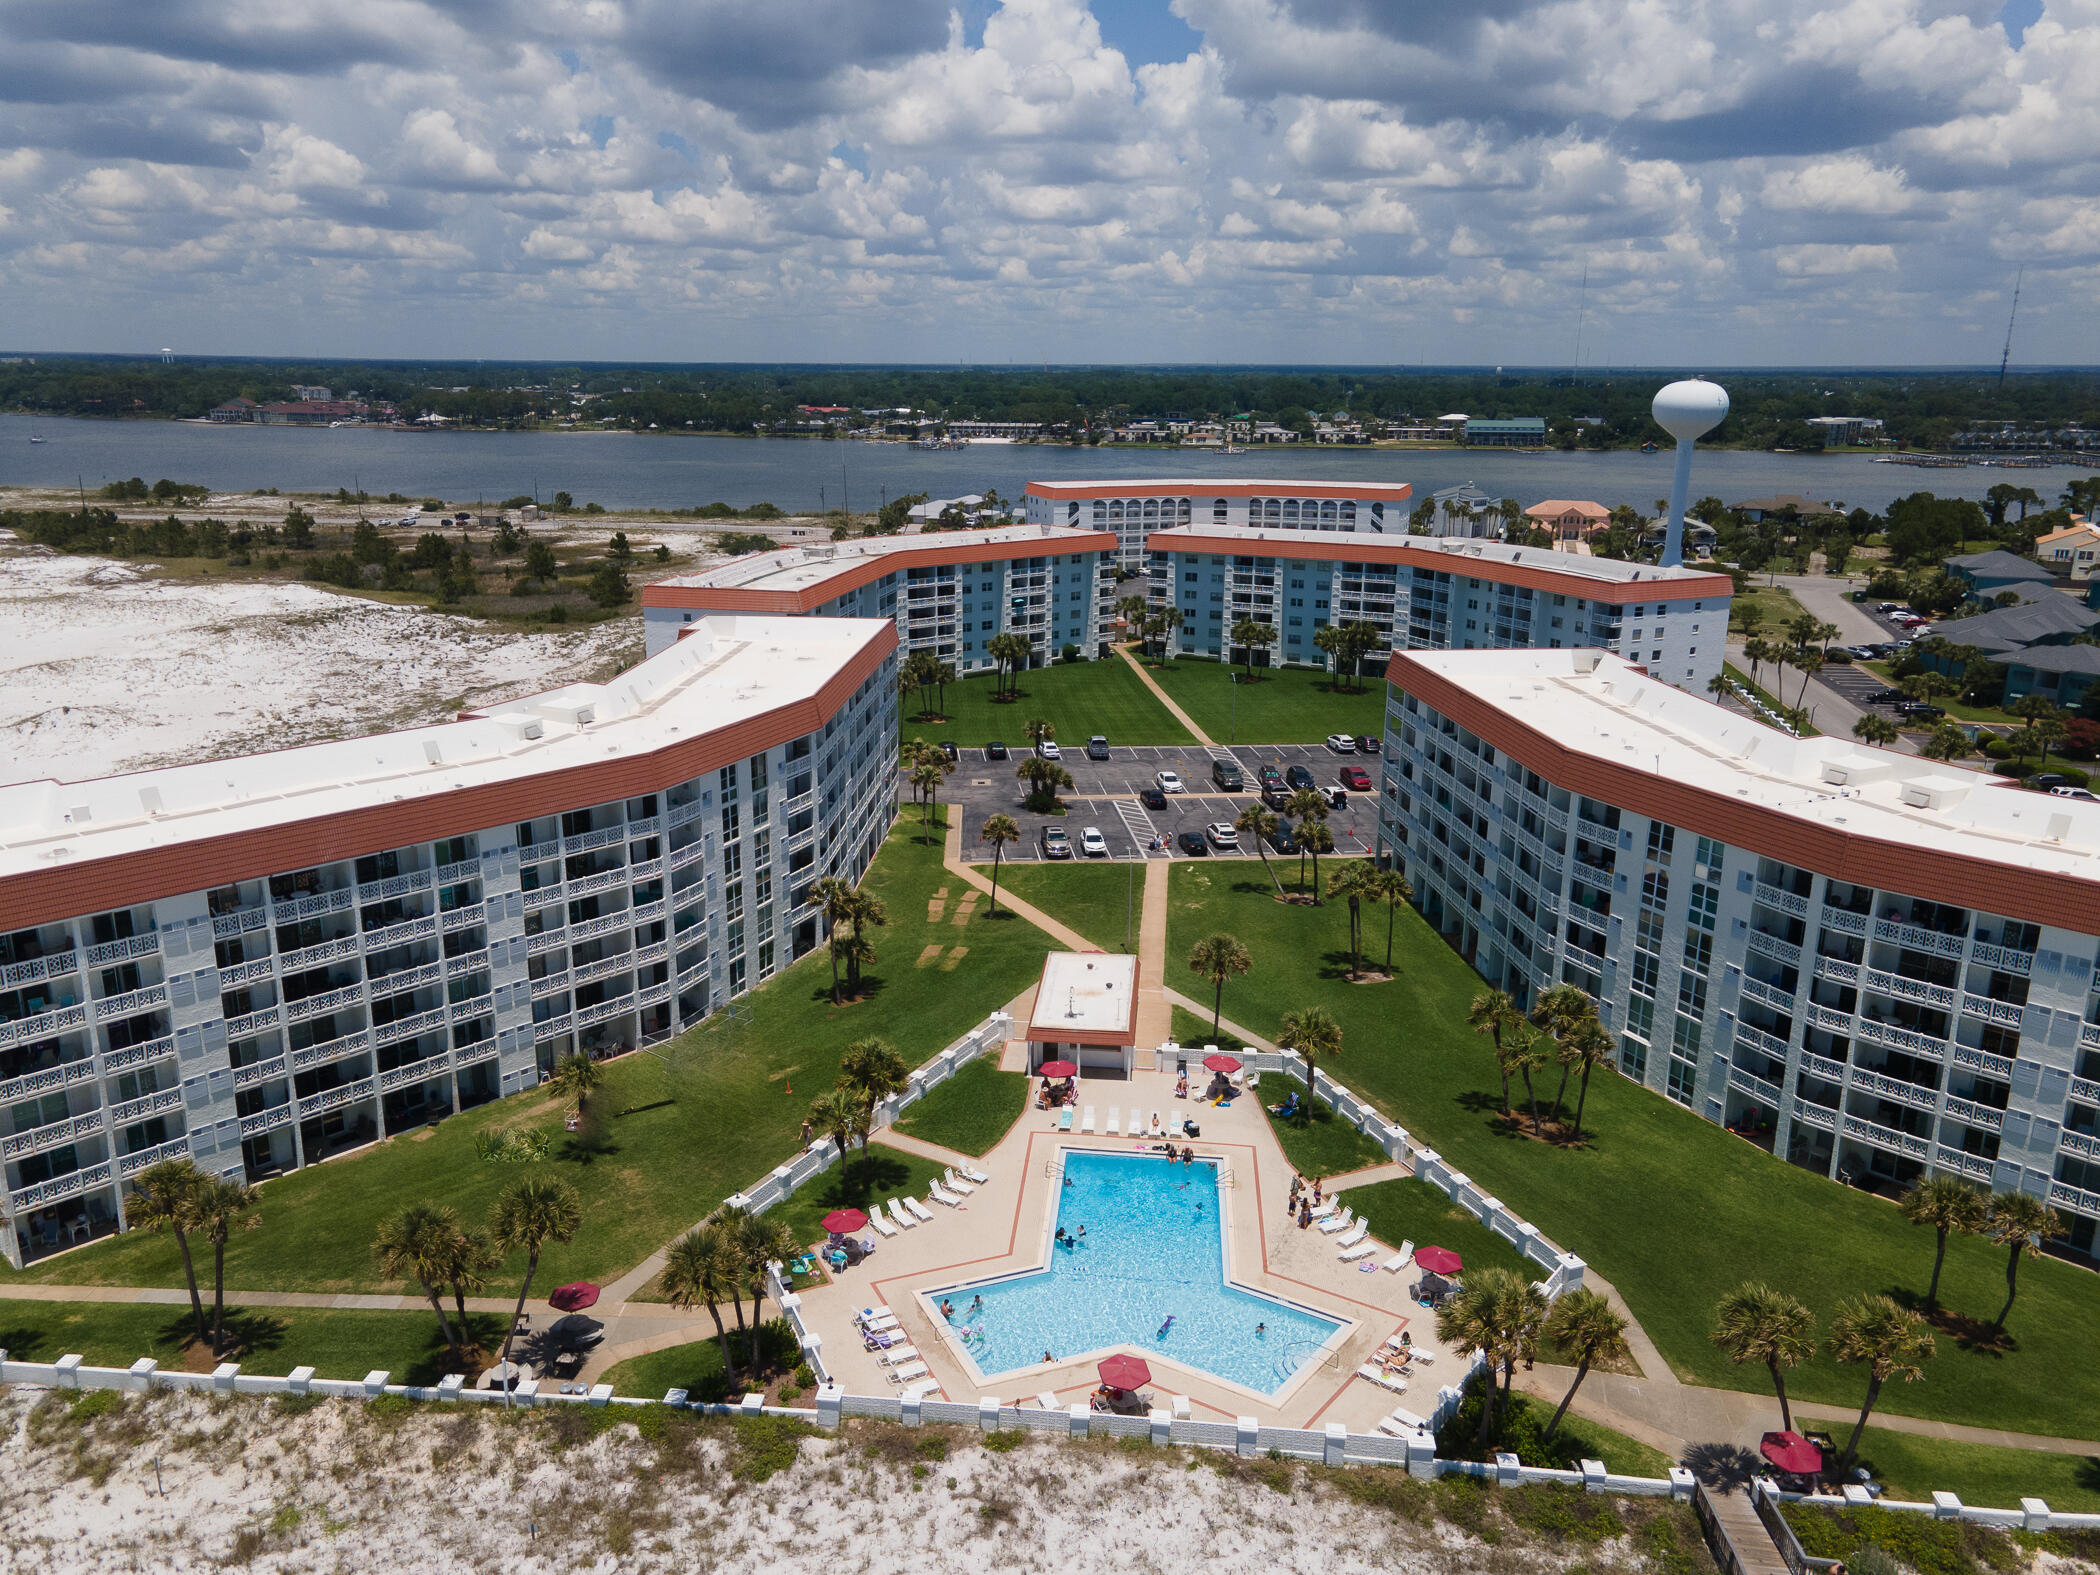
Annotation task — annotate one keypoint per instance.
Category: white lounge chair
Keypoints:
(882, 1226)
(898, 1355)
(1357, 1233)
(1372, 1372)
(908, 1372)
(1362, 1249)
(1251, 1081)
(1335, 1224)
(1115, 1121)
(920, 1390)
(899, 1214)
(884, 1325)
(1064, 1118)
(1426, 1358)
(1086, 1119)
(869, 1314)
(1326, 1208)
(955, 1183)
(941, 1194)
(1048, 1401)
(1400, 1259)
(919, 1209)
(971, 1173)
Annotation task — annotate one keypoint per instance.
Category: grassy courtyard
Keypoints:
(666, 1137)
(1101, 900)
(970, 1112)
(1283, 705)
(1671, 1209)
(1079, 699)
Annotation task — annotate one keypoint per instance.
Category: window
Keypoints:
(1698, 950)
(1706, 901)
(1662, 838)
(1640, 1018)
(1683, 1077)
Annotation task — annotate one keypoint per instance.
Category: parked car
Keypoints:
(1092, 843)
(1225, 776)
(1152, 798)
(1056, 845)
(1270, 779)
(1919, 711)
(1356, 779)
(1299, 777)
(1097, 748)
(2048, 781)
(2084, 795)
(1048, 750)
(995, 750)
(951, 749)
(1170, 782)
(1336, 797)
(1276, 798)
(1368, 744)
(1224, 836)
(1193, 845)
(1342, 743)
(1887, 697)
(1281, 839)
(1889, 607)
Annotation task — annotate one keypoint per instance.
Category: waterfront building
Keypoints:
(1518, 432)
(948, 592)
(260, 962)
(1871, 964)
(1431, 594)
(1569, 519)
(1135, 509)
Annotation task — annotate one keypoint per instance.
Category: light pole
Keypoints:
(1234, 736)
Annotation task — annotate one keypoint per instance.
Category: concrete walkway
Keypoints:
(1155, 1021)
(1152, 684)
(1063, 934)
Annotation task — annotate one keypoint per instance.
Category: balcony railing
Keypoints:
(1886, 1137)
(247, 972)
(1894, 1088)
(266, 1120)
(538, 852)
(1919, 938)
(103, 953)
(1837, 970)
(604, 967)
(463, 869)
(138, 1055)
(470, 1055)
(1770, 994)
(590, 841)
(132, 1002)
(606, 880)
(45, 1080)
(1973, 1166)
(333, 1098)
(1897, 985)
(408, 1027)
(145, 1105)
(545, 941)
(43, 1024)
(225, 926)
(2078, 1143)
(1785, 901)
(409, 979)
(1830, 1020)
(249, 1024)
(414, 1072)
(1822, 1066)
(400, 932)
(331, 1050)
(38, 968)
(1773, 946)
(258, 1071)
(54, 1135)
(2082, 1088)
(321, 954)
(1995, 1066)
(393, 886)
(465, 962)
(1844, 921)
(615, 1007)
(2061, 1192)
(1757, 1039)
(327, 1001)
(463, 918)
(308, 907)
(2006, 1014)
(1988, 1117)
(25, 1198)
(1902, 1038)
(1821, 1117)
(2003, 958)
(1755, 1086)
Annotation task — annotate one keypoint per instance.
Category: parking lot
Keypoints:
(1105, 795)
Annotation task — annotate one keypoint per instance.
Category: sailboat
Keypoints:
(33, 432)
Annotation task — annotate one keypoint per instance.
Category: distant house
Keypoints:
(2064, 673)
(1755, 510)
(1569, 519)
(2003, 631)
(1519, 432)
(2071, 552)
(235, 409)
(1988, 573)
(305, 412)
(310, 391)
(1463, 510)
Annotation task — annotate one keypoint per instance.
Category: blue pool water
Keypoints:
(1154, 1247)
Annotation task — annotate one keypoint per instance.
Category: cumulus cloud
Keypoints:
(828, 179)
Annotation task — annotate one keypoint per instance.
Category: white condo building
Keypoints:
(1429, 594)
(1869, 963)
(947, 592)
(260, 962)
(1134, 509)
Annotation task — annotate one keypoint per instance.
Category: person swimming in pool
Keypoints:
(948, 1311)
(1261, 1331)
(977, 1304)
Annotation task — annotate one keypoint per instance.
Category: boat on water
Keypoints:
(39, 440)
(1229, 448)
(938, 445)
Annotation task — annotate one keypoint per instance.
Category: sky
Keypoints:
(1376, 182)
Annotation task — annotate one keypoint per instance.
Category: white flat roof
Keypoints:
(1599, 706)
(729, 669)
(1085, 993)
(799, 568)
(1615, 571)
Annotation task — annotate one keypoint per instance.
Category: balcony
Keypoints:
(1895, 1089)
(1757, 1039)
(678, 816)
(550, 984)
(683, 857)
(331, 1050)
(410, 978)
(55, 1135)
(309, 907)
(1999, 1067)
(1904, 989)
(249, 1024)
(334, 1098)
(399, 933)
(225, 926)
(453, 874)
(590, 841)
(47, 1079)
(266, 1120)
(258, 1071)
(138, 1055)
(43, 1025)
(1756, 1087)
(328, 1001)
(1785, 901)
(248, 972)
(1830, 1020)
(104, 953)
(463, 918)
(2082, 1088)
(1837, 970)
(2078, 1143)
(326, 952)
(1821, 1117)
(36, 968)
(590, 929)
(1886, 1138)
(1988, 1118)
(605, 880)
(2061, 1193)
(1973, 1166)
(464, 963)
(541, 852)
(546, 941)
(24, 1199)
(1919, 939)
(1770, 994)
(617, 1006)
(471, 1055)
(1772, 946)
(123, 1115)
(131, 1002)
(393, 886)
(1822, 1066)
(2007, 1014)
(1907, 1039)
(1844, 921)
(2003, 958)
(415, 1072)
(408, 1027)
(603, 968)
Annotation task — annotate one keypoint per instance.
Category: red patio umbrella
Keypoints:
(1125, 1372)
(1439, 1260)
(1222, 1063)
(574, 1298)
(1058, 1069)
(841, 1222)
(1791, 1453)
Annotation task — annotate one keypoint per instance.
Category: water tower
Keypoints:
(1685, 410)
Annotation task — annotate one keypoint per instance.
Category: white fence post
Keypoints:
(69, 1371)
(988, 1413)
(1077, 1420)
(2034, 1515)
(1336, 1451)
(142, 1372)
(1247, 1435)
(830, 1406)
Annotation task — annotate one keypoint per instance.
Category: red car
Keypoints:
(1356, 779)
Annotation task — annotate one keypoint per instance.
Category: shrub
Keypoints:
(2081, 740)
(767, 1445)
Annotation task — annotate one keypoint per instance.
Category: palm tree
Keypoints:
(1258, 825)
(1309, 809)
(1353, 882)
(1892, 1341)
(736, 1230)
(576, 1076)
(1316, 839)
(832, 1114)
(1314, 1034)
(420, 1243)
(1948, 1204)
(1587, 1047)
(1010, 651)
(1754, 1323)
(1248, 633)
(467, 1269)
(767, 1241)
(1875, 729)
(1555, 1014)
(1040, 732)
(1947, 742)
(835, 898)
(1218, 958)
(925, 783)
(1720, 686)
(529, 1214)
(2020, 1224)
(1391, 887)
(1586, 1326)
(164, 1197)
(223, 1206)
(701, 1267)
(865, 911)
(1497, 1314)
(1044, 778)
(998, 830)
(1807, 663)
(871, 1070)
(1495, 1013)
(1526, 1056)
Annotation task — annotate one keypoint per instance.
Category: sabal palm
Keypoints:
(832, 1114)
(998, 830)
(223, 1206)
(1890, 1341)
(576, 1076)
(1314, 1034)
(766, 1241)
(701, 1268)
(925, 783)
(420, 1244)
(1496, 1014)
(1588, 1328)
(1308, 809)
(1497, 1313)
(1948, 1204)
(865, 912)
(1754, 1323)
(1316, 839)
(1352, 882)
(1587, 1047)
(871, 1070)
(164, 1196)
(1255, 822)
(2020, 1224)
(1218, 958)
(1555, 1014)
(1392, 888)
(835, 898)
(529, 1214)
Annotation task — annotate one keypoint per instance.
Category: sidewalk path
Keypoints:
(1155, 1022)
(1152, 684)
(1063, 934)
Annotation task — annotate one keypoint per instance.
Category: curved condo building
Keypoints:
(1872, 964)
(262, 961)
(1133, 509)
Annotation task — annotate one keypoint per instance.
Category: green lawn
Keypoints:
(1409, 1210)
(1079, 699)
(1671, 1209)
(663, 1143)
(697, 1368)
(1914, 1468)
(271, 1341)
(1520, 1429)
(886, 1173)
(1318, 1143)
(1102, 900)
(1742, 681)
(1193, 1028)
(1284, 705)
(972, 1111)
(1775, 602)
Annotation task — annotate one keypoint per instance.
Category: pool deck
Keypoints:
(1002, 1228)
